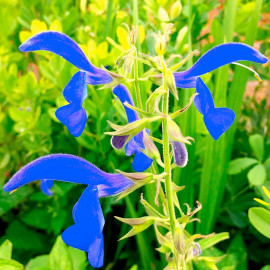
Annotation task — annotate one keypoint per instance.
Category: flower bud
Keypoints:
(170, 82)
(179, 240)
(175, 132)
(130, 129)
(176, 10)
(153, 101)
(151, 149)
(180, 154)
(160, 44)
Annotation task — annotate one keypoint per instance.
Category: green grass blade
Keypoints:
(218, 153)
(213, 179)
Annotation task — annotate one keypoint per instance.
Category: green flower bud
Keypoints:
(170, 82)
(176, 10)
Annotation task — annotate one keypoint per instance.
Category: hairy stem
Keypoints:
(167, 161)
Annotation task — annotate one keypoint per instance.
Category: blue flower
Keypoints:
(86, 233)
(73, 116)
(217, 120)
(141, 162)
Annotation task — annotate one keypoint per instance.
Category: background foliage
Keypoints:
(30, 92)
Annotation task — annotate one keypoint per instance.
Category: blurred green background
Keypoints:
(220, 174)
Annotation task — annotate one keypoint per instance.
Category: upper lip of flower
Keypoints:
(74, 117)
(219, 56)
(68, 168)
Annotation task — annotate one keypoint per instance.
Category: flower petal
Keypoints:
(204, 100)
(180, 153)
(89, 221)
(181, 82)
(68, 168)
(141, 162)
(222, 55)
(63, 46)
(45, 186)
(124, 96)
(102, 77)
(218, 120)
(87, 208)
(116, 183)
(76, 90)
(130, 147)
(86, 234)
(96, 252)
(73, 117)
(118, 142)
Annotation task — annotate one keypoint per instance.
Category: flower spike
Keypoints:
(141, 162)
(72, 115)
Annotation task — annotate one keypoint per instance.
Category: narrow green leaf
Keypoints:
(213, 240)
(260, 219)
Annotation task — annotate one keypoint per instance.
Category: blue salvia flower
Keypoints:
(73, 115)
(86, 233)
(217, 120)
(141, 162)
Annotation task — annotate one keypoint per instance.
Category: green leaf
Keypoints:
(79, 258)
(19, 235)
(216, 31)
(5, 160)
(213, 240)
(257, 145)
(37, 218)
(257, 175)
(266, 267)
(59, 257)
(7, 264)
(38, 263)
(238, 165)
(260, 219)
(267, 168)
(6, 250)
(9, 201)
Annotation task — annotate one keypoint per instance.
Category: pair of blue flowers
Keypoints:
(86, 233)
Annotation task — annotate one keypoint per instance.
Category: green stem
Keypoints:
(167, 161)
(109, 13)
(136, 84)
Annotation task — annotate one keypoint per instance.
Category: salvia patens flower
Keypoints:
(86, 233)
(73, 115)
(217, 120)
(141, 162)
